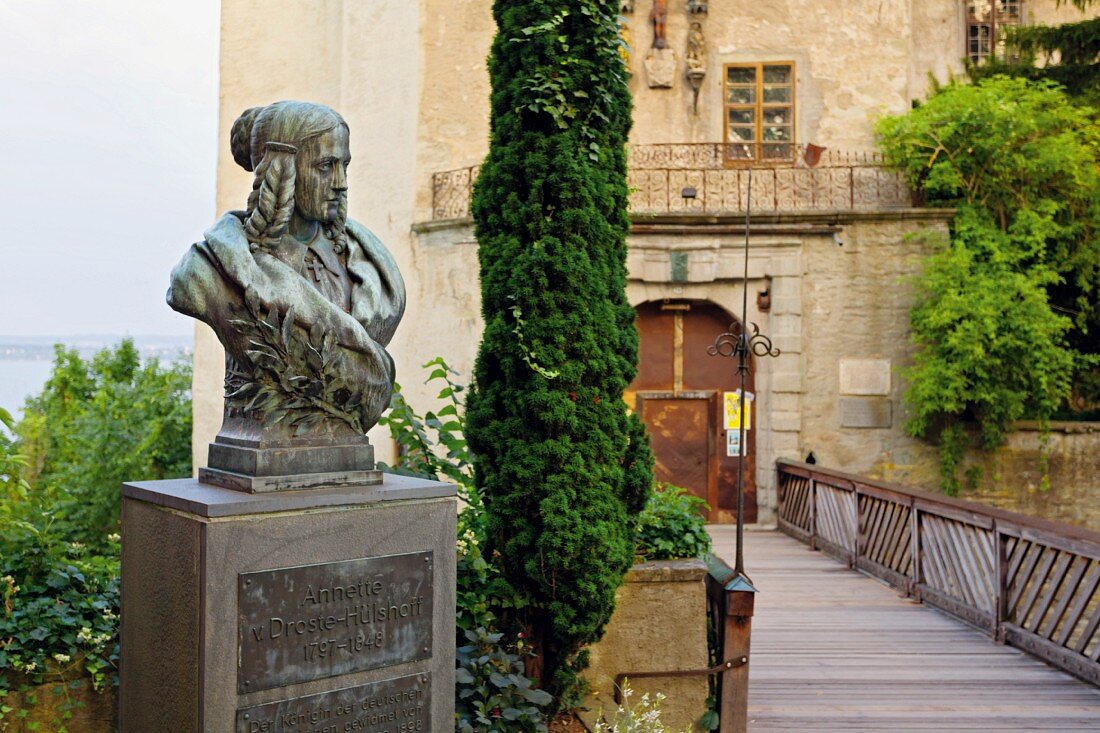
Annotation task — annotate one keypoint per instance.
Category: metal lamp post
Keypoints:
(738, 591)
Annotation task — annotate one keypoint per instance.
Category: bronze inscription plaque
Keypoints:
(315, 621)
(398, 705)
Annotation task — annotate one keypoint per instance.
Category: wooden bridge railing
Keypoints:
(1029, 582)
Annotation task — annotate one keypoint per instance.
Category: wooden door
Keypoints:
(679, 395)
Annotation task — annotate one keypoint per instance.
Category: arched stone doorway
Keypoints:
(679, 394)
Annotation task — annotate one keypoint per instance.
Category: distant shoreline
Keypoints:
(41, 348)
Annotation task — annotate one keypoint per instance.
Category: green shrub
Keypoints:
(60, 611)
(98, 423)
(492, 692)
(492, 695)
(672, 525)
(95, 424)
(443, 456)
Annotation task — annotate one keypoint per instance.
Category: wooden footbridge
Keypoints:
(962, 618)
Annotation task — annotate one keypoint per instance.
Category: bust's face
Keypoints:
(322, 179)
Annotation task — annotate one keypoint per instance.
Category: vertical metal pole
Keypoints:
(856, 549)
(742, 367)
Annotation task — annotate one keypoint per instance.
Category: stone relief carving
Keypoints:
(660, 68)
(303, 299)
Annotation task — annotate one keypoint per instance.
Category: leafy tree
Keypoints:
(1019, 162)
(13, 487)
(98, 423)
(1068, 54)
(560, 464)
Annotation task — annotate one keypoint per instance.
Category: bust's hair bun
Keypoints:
(240, 138)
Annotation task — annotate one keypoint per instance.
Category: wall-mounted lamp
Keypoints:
(764, 300)
(688, 193)
(697, 7)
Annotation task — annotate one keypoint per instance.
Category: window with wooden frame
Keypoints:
(985, 19)
(759, 112)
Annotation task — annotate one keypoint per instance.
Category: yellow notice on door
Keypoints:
(732, 409)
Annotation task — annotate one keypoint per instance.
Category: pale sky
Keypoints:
(108, 135)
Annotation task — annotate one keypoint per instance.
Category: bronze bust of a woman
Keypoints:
(304, 300)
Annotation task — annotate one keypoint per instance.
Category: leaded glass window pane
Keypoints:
(760, 112)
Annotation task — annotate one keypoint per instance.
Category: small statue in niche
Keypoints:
(659, 17)
(303, 299)
(696, 56)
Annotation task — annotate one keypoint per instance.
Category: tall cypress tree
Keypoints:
(560, 462)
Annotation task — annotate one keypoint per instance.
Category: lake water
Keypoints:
(20, 379)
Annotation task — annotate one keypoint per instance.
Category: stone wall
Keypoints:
(855, 309)
(839, 298)
(1011, 476)
(47, 705)
(659, 624)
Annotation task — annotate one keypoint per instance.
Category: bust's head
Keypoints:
(299, 152)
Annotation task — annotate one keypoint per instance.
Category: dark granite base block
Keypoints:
(261, 484)
(286, 461)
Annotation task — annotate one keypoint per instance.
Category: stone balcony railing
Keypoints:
(700, 178)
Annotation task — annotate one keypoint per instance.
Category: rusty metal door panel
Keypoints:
(655, 353)
(680, 430)
(701, 371)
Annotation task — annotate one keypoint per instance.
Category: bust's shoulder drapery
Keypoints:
(219, 277)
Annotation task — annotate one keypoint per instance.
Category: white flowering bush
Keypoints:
(641, 716)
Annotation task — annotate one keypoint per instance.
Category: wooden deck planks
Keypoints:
(833, 649)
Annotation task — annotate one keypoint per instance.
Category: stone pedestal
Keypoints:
(320, 610)
(659, 625)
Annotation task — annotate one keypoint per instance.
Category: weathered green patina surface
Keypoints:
(303, 299)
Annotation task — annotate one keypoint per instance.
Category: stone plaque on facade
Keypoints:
(865, 412)
(315, 621)
(399, 705)
(865, 376)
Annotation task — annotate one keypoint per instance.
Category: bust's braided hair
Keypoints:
(272, 199)
(266, 140)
